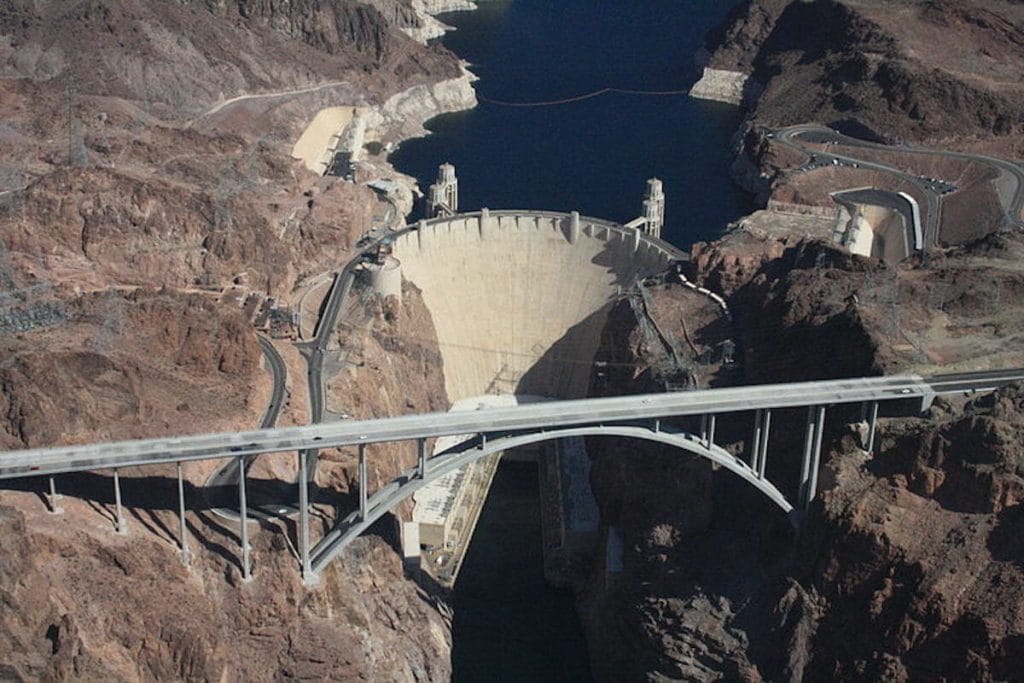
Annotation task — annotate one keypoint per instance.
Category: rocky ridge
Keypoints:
(137, 181)
(909, 547)
(721, 588)
(879, 66)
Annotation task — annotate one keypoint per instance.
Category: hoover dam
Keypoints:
(519, 301)
(519, 298)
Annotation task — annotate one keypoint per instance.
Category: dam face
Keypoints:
(519, 299)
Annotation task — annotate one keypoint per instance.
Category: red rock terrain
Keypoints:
(128, 364)
(129, 197)
(924, 71)
(906, 568)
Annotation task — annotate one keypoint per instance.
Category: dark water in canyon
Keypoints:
(509, 624)
(593, 156)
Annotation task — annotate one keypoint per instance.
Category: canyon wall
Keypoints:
(909, 544)
(905, 70)
(145, 167)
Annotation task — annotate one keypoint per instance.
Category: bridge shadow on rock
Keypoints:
(152, 502)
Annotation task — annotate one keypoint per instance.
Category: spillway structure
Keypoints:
(519, 301)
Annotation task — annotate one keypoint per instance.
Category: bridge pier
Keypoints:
(422, 470)
(763, 428)
(307, 574)
(872, 424)
(812, 455)
(362, 482)
(183, 541)
(244, 520)
(119, 514)
(755, 442)
(707, 430)
(54, 497)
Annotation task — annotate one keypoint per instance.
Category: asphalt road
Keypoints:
(973, 382)
(523, 418)
(318, 347)
(793, 135)
(223, 483)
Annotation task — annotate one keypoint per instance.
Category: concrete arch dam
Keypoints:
(519, 299)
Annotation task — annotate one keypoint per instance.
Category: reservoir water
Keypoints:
(593, 155)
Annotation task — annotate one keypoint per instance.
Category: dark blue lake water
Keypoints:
(594, 155)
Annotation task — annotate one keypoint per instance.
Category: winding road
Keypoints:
(226, 476)
(318, 348)
(264, 96)
(1009, 172)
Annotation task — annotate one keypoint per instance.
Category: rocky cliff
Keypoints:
(912, 70)
(123, 365)
(88, 603)
(145, 170)
(185, 54)
(917, 549)
(909, 547)
(164, 144)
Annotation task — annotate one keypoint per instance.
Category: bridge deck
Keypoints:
(494, 420)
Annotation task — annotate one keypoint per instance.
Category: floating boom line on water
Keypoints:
(580, 98)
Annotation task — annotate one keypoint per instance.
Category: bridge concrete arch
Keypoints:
(374, 507)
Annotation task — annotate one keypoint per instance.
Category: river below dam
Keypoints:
(588, 152)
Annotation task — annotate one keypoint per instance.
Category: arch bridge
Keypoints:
(492, 430)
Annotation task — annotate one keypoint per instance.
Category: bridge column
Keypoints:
(119, 519)
(54, 497)
(755, 442)
(872, 423)
(244, 520)
(766, 424)
(181, 517)
(307, 573)
(423, 459)
(812, 455)
(707, 429)
(362, 482)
